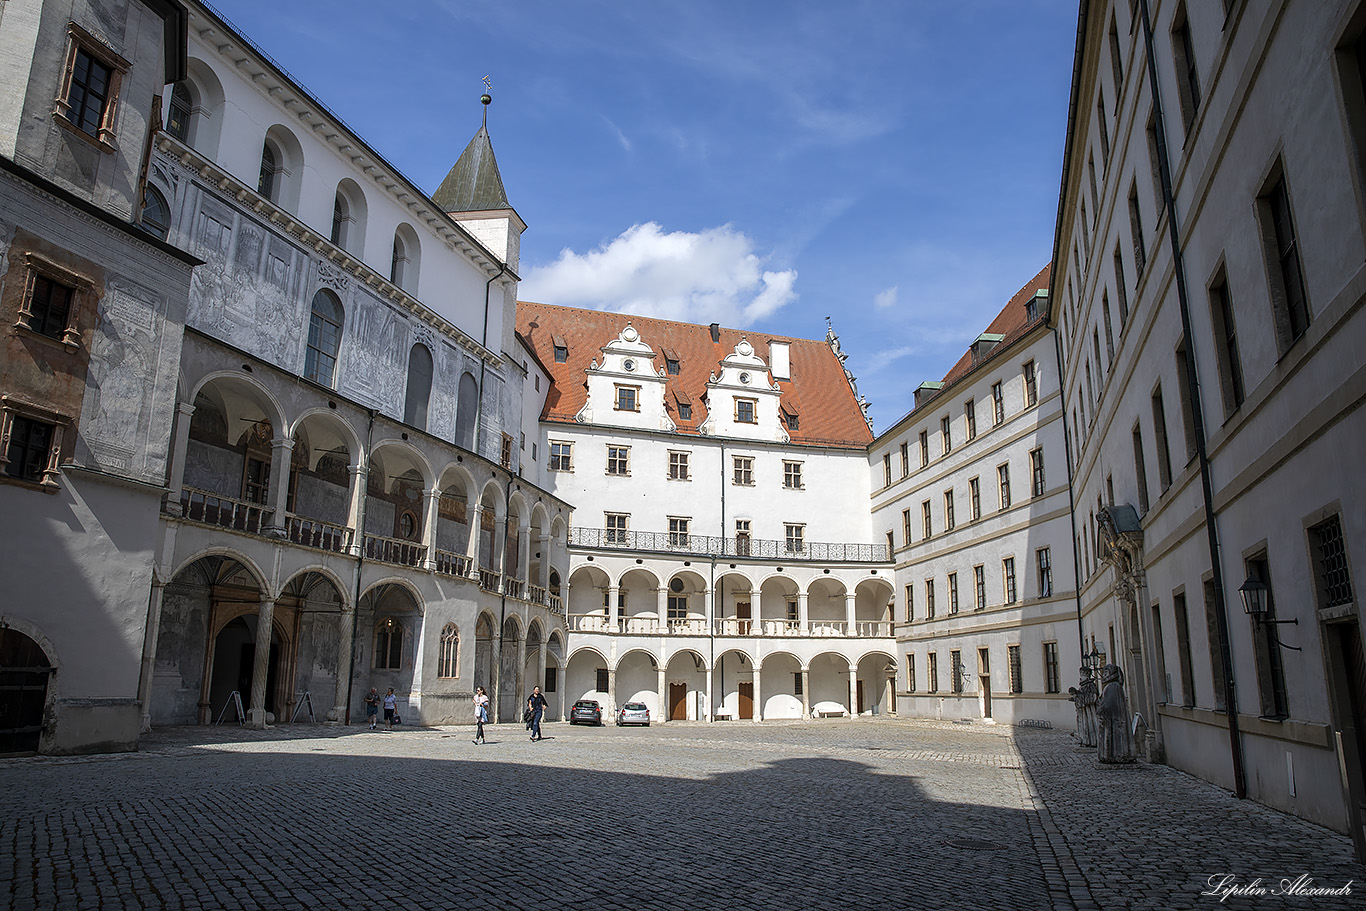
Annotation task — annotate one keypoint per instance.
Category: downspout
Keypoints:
(1197, 416)
(483, 365)
(360, 559)
(502, 603)
(1071, 494)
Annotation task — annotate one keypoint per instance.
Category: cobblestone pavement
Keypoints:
(834, 814)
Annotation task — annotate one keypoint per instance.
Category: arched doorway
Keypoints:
(24, 675)
(234, 656)
(509, 672)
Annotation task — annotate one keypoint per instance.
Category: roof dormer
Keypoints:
(624, 388)
(742, 400)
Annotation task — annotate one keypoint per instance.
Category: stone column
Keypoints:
(853, 690)
(709, 619)
(360, 475)
(543, 577)
(803, 614)
(662, 607)
(149, 650)
(613, 593)
(180, 445)
(758, 696)
(498, 550)
(710, 713)
(345, 632)
(806, 693)
(663, 693)
(260, 668)
(540, 666)
(430, 500)
(519, 675)
(612, 690)
(281, 449)
(849, 613)
(475, 514)
(524, 558)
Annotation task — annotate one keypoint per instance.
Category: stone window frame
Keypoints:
(753, 412)
(615, 527)
(742, 474)
(78, 40)
(562, 460)
(792, 475)
(680, 465)
(385, 630)
(448, 661)
(630, 395)
(12, 407)
(618, 458)
(680, 530)
(794, 537)
(82, 296)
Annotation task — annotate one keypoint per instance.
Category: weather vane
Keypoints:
(486, 99)
(488, 83)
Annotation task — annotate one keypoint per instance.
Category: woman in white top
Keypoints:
(481, 713)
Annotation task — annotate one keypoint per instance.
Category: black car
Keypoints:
(586, 711)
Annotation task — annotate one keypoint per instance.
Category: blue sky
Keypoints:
(891, 165)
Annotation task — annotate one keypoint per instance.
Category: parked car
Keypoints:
(586, 711)
(633, 713)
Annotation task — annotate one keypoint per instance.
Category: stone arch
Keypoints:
(466, 411)
(454, 509)
(389, 654)
(485, 628)
(685, 691)
(733, 683)
(779, 607)
(875, 688)
(873, 606)
(826, 607)
(588, 585)
(510, 669)
(350, 213)
(396, 502)
(828, 678)
(585, 669)
(638, 600)
(406, 264)
(735, 603)
(288, 162)
(246, 563)
(206, 108)
(636, 677)
(782, 691)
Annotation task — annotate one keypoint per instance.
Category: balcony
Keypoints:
(715, 546)
(223, 512)
(649, 625)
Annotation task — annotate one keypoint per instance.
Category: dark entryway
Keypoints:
(234, 658)
(24, 673)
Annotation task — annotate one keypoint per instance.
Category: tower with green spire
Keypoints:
(473, 195)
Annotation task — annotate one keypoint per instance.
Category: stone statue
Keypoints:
(1116, 741)
(1084, 697)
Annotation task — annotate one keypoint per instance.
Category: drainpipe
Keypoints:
(360, 559)
(483, 365)
(1206, 480)
(502, 602)
(1071, 494)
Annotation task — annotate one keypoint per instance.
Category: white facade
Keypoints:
(1263, 118)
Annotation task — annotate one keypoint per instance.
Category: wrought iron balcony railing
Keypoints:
(713, 545)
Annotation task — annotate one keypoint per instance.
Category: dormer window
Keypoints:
(791, 419)
(745, 410)
(628, 398)
(561, 349)
(684, 411)
(671, 366)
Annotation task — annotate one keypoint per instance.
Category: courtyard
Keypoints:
(835, 814)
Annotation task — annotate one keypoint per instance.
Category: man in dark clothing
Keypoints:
(536, 704)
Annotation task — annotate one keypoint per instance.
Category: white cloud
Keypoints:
(885, 298)
(709, 276)
(616, 131)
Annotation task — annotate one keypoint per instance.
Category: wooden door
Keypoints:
(24, 674)
(986, 696)
(746, 699)
(1346, 666)
(860, 698)
(742, 616)
(678, 702)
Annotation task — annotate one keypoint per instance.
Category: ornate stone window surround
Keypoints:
(78, 39)
(11, 407)
(82, 289)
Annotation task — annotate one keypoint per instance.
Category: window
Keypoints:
(1003, 481)
(561, 456)
(905, 460)
(603, 682)
(970, 416)
(891, 543)
(1187, 80)
(619, 460)
(1265, 641)
(1095, 191)
(551, 675)
(178, 119)
(794, 536)
(1008, 576)
(448, 663)
(1109, 332)
(561, 354)
(910, 602)
(266, 184)
(1226, 346)
(1121, 290)
(975, 497)
(1052, 682)
(946, 434)
(743, 471)
(678, 531)
(678, 466)
(742, 537)
(389, 645)
(910, 673)
(324, 338)
(791, 419)
(906, 526)
(998, 401)
(1031, 385)
(685, 411)
(505, 452)
(671, 366)
(627, 398)
(1100, 364)
(1104, 123)
(1016, 670)
(47, 307)
(1164, 458)
(1183, 393)
(419, 389)
(934, 672)
(677, 605)
(956, 669)
(1183, 648)
(1332, 578)
(1116, 69)
(745, 411)
(886, 469)
(953, 593)
(255, 477)
(792, 475)
(948, 510)
(929, 599)
(793, 614)
(1290, 308)
(156, 214)
(926, 518)
(924, 448)
(1136, 232)
(1140, 471)
(92, 79)
(1044, 561)
(1036, 472)
(341, 220)
(1155, 166)
(617, 523)
(979, 587)
(1218, 643)
(30, 455)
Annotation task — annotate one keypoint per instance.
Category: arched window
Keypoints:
(178, 120)
(270, 164)
(466, 411)
(156, 214)
(399, 261)
(389, 645)
(341, 219)
(407, 259)
(324, 338)
(448, 664)
(419, 386)
(349, 211)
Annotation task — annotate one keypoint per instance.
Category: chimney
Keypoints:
(715, 333)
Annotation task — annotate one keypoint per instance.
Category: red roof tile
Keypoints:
(830, 416)
(1011, 322)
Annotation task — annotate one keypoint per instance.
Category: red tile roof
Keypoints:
(1011, 322)
(818, 391)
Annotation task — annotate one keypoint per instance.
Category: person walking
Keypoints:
(372, 707)
(536, 704)
(481, 713)
(390, 709)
